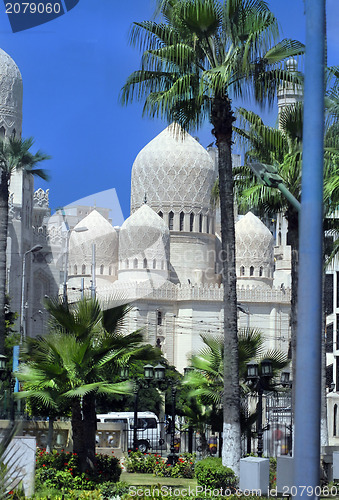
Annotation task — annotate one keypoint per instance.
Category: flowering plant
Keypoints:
(62, 470)
(183, 468)
(141, 462)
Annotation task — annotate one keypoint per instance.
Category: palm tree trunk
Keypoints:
(90, 424)
(3, 247)
(78, 433)
(222, 119)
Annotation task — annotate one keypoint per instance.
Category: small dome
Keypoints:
(10, 96)
(254, 247)
(291, 65)
(105, 237)
(144, 235)
(174, 172)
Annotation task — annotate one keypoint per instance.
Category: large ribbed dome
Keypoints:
(10, 96)
(105, 237)
(174, 172)
(144, 235)
(254, 247)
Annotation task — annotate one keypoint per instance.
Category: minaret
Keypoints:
(290, 93)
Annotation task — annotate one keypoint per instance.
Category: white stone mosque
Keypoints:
(165, 258)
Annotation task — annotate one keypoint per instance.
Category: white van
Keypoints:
(149, 435)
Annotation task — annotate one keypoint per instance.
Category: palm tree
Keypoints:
(14, 156)
(282, 148)
(77, 361)
(202, 54)
(206, 379)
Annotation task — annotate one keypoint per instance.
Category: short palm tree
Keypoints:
(206, 379)
(200, 55)
(79, 360)
(15, 155)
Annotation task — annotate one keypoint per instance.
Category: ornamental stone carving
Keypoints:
(41, 198)
(174, 172)
(10, 95)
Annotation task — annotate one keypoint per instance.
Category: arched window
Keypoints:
(242, 271)
(261, 270)
(2, 132)
(200, 223)
(279, 238)
(182, 218)
(335, 416)
(207, 224)
(191, 221)
(75, 269)
(102, 269)
(154, 264)
(135, 264)
(83, 269)
(160, 214)
(126, 264)
(162, 264)
(170, 221)
(110, 270)
(145, 263)
(159, 318)
(251, 271)
(13, 133)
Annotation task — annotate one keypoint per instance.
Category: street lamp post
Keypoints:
(268, 174)
(150, 373)
(172, 457)
(260, 383)
(34, 249)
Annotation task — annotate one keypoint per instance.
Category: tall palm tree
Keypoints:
(203, 53)
(282, 148)
(14, 156)
(78, 360)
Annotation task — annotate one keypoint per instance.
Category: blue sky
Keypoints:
(73, 69)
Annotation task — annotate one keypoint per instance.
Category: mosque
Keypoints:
(164, 259)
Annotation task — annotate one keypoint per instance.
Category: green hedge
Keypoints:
(212, 474)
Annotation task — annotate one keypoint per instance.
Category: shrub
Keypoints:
(62, 471)
(212, 474)
(110, 490)
(273, 472)
(183, 468)
(141, 462)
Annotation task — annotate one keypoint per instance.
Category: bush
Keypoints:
(183, 468)
(273, 472)
(212, 474)
(141, 462)
(62, 471)
(110, 490)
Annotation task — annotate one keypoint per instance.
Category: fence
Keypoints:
(277, 425)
